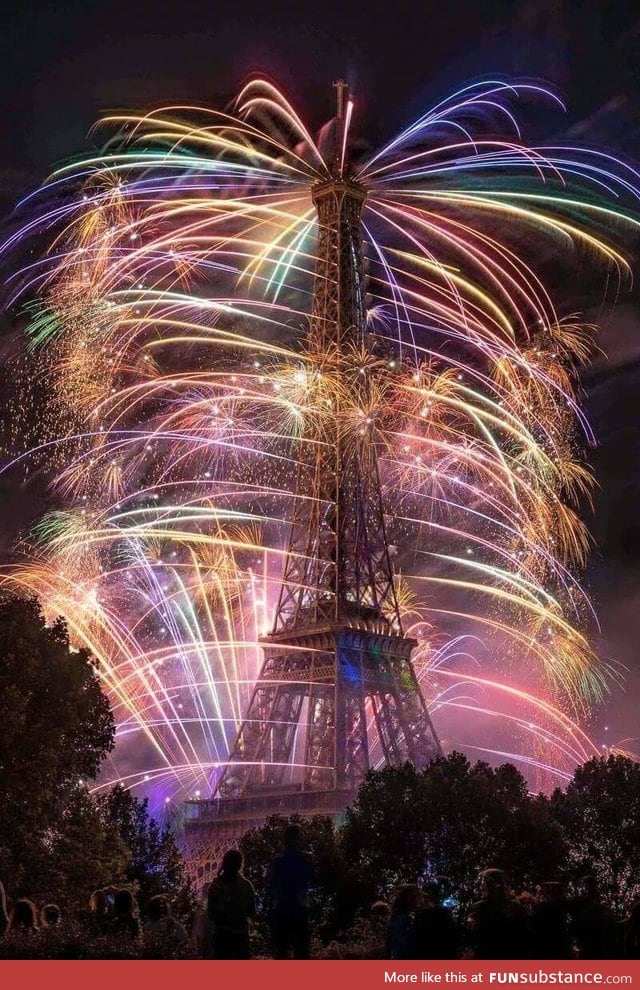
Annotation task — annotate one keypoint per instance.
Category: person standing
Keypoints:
(288, 890)
(401, 932)
(592, 923)
(123, 923)
(163, 934)
(631, 933)
(202, 930)
(498, 924)
(231, 904)
(435, 928)
(551, 924)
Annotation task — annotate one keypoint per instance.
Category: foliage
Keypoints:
(365, 939)
(451, 820)
(84, 853)
(600, 815)
(155, 864)
(71, 940)
(57, 728)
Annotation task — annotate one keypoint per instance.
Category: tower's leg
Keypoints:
(352, 746)
(263, 749)
(388, 726)
(320, 739)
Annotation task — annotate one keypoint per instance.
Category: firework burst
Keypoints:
(166, 317)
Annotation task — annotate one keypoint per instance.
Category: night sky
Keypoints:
(64, 63)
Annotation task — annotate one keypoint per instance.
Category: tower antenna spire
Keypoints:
(342, 90)
(343, 113)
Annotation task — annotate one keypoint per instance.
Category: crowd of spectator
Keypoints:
(547, 924)
(419, 922)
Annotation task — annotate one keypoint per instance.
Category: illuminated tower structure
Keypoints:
(337, 680)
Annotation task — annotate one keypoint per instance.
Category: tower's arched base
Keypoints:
(212, 827)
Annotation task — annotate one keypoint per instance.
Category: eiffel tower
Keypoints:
(337, 678)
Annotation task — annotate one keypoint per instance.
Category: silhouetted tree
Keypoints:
(155, 864)
(600, 815)
(453, 820)
(85, 852)
(56, 728)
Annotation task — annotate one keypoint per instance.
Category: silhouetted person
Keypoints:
(97, 917)
(202, 930)
(4, 916)
(632, 933)
(162, 929)
(498, 923)
(551, 924)
(98, 903)
(592, 923)
(231, 903)
(288, 889)
(435, 928)
(400, 933)
(50, 916)
(24, 916)
(123, 920)
(379, 915)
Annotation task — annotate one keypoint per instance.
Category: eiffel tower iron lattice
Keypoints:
(337, 677)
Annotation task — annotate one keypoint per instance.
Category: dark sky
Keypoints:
(64, 62)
